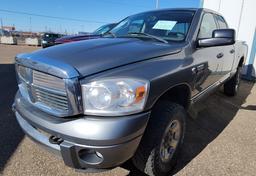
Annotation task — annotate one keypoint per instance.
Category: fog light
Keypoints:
(90, 156)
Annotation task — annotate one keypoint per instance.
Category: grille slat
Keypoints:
(49, 81)
(46, 93)
(54, 106)
(36, 80)
(51, 98)
(52, 103)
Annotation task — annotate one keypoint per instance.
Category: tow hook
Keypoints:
(55, 140)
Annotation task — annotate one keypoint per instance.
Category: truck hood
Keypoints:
(96, 55)
(72, 38)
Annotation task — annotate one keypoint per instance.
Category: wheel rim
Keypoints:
(170, 141)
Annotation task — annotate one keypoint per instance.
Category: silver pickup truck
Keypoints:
(101, 102)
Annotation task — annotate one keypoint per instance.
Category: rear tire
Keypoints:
(162, 140)
(231, 87)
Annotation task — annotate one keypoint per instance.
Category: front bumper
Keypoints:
(87, 141)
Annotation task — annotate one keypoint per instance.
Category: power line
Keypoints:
(124, 4)
(53, 17)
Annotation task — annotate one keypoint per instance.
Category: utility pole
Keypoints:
(157, 4)
(240, 18)
(60, 29)
(219, 6)
(2, 23)
(30, 24)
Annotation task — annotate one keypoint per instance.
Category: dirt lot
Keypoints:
(221, 141)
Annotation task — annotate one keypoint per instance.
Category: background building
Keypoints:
(8, 28)
(240, 15)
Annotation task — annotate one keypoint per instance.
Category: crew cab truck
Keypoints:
(101, 102)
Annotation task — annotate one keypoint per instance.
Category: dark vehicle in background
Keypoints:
(4, 33)
(96, 34)
(99, 103)
(48, 39)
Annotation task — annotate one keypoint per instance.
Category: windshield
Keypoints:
(167, 25)
(103, 29)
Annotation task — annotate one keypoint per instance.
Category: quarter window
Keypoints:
(208, 25)
(221, 22)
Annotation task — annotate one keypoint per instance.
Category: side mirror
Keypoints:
(220, 37)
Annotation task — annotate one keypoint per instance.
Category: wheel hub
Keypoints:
(170, 141)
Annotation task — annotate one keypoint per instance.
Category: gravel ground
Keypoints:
(8, 52)
(221, 141)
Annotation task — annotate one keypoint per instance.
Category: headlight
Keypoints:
(115, 96)
(44, 42)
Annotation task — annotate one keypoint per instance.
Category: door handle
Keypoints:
(200, 67)
(232, 51)
(220, 55)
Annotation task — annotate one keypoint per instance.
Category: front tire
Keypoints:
(231, 87)
(162, 140)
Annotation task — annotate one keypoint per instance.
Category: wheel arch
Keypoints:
(179, 93)
(241, 62)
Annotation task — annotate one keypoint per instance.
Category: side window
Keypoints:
(136, 26)
(208, 25)
(221, 22)
(104, 30)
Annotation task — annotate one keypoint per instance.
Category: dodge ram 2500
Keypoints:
(101, 102)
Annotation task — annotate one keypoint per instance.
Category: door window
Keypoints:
(208, 25)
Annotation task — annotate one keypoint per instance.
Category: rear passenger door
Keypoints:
(228, 50)
(209, 65)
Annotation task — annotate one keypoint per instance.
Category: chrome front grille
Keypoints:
(49, 93)
(48, 81)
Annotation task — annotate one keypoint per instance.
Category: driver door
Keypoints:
(208, 61)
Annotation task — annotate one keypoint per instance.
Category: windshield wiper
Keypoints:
(111, 33)
(148, 35)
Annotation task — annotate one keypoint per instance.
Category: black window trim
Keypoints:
(201, 20)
